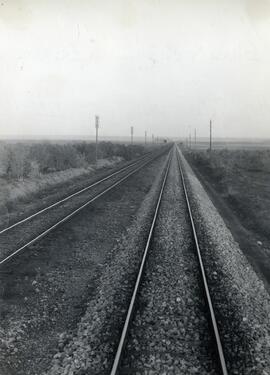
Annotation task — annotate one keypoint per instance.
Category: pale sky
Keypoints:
(165, 66)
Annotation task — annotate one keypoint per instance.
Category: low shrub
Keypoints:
(223, 164)
(20, 160)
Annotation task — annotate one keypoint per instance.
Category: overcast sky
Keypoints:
(165, 66)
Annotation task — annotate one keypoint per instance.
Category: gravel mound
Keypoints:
(240, 299)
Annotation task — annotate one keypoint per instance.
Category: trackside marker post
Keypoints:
(131, 134)
(97, 126)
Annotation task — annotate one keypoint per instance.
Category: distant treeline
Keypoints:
(20, 160)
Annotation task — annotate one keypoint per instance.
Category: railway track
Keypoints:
(170, 324)
(70, 196)
(20, 235)
(203, 275)
(150, 307)
(46, 288)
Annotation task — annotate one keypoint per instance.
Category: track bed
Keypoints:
(45, 289)
(170, 332)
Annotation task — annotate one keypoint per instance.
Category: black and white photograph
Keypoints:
(134, 187)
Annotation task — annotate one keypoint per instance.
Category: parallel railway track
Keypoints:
(116, 367)
(11, 247)
(70, 196)
(122, 175)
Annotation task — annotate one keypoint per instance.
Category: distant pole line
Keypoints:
(195, 138)
(145, 137)
(131, 134)
(210, 141)
(153, 138)
(97, 126)
(189, 140)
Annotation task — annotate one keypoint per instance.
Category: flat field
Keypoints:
(238, 182)
(228, 144)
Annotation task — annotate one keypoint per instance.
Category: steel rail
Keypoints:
(121, 345)
(67, 217)
(203, 273)
(72, 195)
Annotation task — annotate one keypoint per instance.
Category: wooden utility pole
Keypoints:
(195, 138)
(131, 134)
(189, 140)
(145, 137)
(97, 126)
(210, 142)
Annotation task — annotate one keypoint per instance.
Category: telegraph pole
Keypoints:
(153, 138)
(210, 142)
(131, 134)
(97, 126)
(145, 137)
(195, 138)
(189, 140)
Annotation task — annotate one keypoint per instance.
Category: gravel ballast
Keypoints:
(19, 235)
(170, 332)
(241, 302)
(44, 291)
(91, 266)
(90, 350)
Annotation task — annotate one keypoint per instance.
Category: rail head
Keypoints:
(124, 333)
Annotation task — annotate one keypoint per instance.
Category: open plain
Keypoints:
(136, 273)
